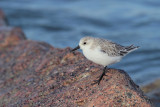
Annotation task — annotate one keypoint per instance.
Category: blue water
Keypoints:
(62, 23)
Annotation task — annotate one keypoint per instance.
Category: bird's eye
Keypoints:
(84, 43)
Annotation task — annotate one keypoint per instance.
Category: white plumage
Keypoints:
(103, 52)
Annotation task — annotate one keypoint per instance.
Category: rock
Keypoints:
(152, 86)
(10, 36)
(3, 19)
(152, 90)
(37, 74)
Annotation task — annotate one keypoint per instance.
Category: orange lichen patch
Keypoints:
(69, 56)
(11, 36)
(68, 82)
(11, 41)
(81, 102)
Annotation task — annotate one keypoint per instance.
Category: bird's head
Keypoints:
(84, 43)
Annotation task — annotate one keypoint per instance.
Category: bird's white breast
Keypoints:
(99, 57)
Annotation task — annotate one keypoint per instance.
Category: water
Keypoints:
(62, 23)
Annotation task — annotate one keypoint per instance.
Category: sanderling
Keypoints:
(103, 52)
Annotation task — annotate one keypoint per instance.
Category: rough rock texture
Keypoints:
(37, 74)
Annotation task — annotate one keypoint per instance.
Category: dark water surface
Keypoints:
(62, 23)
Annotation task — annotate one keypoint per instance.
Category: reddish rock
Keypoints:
(10, 36)
(3, 19)
(37, 74)
(153, 91)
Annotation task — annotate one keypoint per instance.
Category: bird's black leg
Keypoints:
(99, 80)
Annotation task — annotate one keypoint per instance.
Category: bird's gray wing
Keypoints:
(111, 48)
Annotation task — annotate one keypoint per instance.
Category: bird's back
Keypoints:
(111, 48)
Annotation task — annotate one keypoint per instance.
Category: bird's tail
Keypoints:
(131, 48)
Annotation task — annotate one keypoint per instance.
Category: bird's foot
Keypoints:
(101, 76)
(96, 82)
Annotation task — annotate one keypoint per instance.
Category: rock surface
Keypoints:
(3, 19)
(153, 91)
(37, 74)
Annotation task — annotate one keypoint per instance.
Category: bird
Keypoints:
(103, 52)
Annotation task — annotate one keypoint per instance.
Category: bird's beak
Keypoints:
(75, 48)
